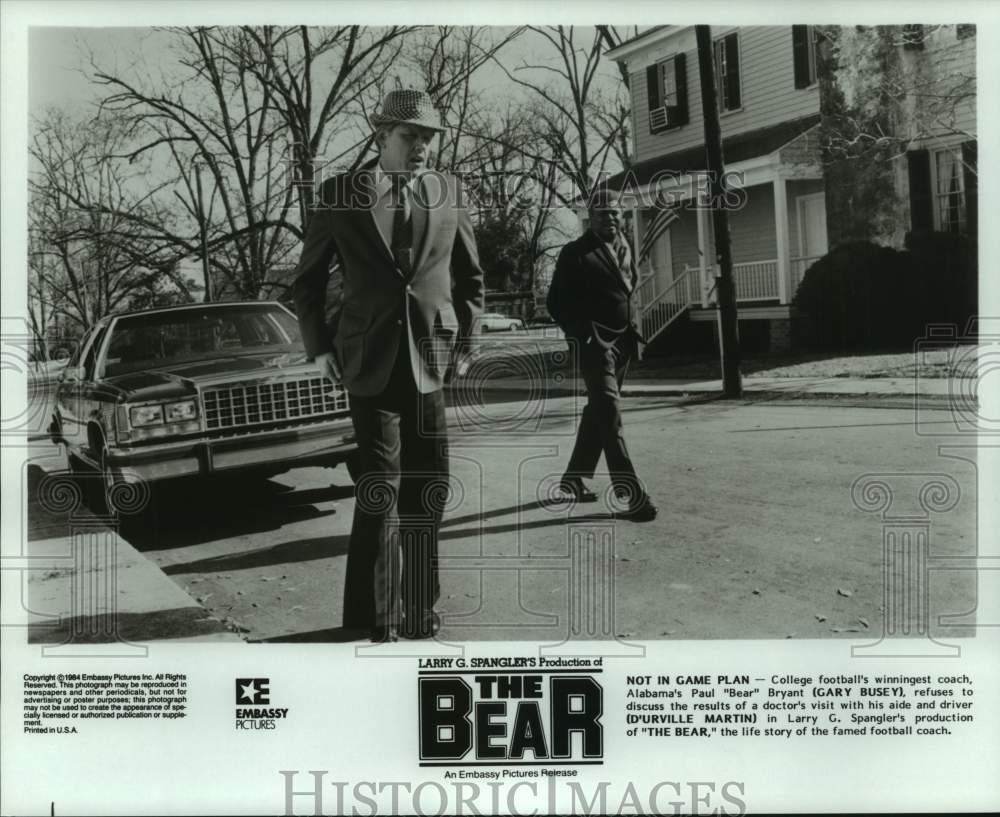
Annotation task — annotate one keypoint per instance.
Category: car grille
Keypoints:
(251, 403)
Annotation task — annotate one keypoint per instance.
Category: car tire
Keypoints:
(353, 463)
(83, 476)
(103, 488)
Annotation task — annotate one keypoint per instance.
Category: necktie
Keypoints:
(624, 267)
(402, 226)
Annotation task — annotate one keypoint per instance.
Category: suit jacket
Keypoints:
(588, 297)
(381, 307)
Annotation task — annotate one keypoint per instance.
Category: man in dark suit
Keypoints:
(411, 289)
(591, 300)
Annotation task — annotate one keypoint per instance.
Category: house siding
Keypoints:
(751, 229)
(943, 58)
(769, 95)
(868, 197)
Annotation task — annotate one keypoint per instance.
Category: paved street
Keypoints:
(757, 535)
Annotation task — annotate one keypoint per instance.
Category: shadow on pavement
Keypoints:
(523, 526)
(184, 515)
(301, 550)
(184, 622)
(333, 635)
(522, 507)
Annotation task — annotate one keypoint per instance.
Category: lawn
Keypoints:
(960, 361)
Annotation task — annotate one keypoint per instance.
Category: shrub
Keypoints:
(861, 295)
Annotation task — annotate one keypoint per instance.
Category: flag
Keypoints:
(663, 218)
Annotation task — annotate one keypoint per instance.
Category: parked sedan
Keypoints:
(495, 322)
(198, 390)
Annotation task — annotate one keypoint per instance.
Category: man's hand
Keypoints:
(327, 365)
(459, 361)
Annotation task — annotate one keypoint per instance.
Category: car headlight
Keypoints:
(179, 412)
(142, 416)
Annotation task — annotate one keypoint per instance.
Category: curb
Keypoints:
(750, 393)
(140, 603)
(88, 585)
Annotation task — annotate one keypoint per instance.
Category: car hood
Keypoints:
(183, 378)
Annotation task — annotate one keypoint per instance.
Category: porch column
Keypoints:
(639, 285)
(703, 265)
(781, 236)
(637, 242)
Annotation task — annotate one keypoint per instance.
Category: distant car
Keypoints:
(495, 322)
(198, 390)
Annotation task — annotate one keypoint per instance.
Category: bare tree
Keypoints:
(295, 63)
(243, 105)
(512, 195)
(579, 115)
(95, 233)
(444, 61)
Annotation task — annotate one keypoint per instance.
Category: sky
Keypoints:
(60, 69)
(59, 60)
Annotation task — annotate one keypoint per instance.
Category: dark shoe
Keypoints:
(642, 510)
(428, 627)
(383, 634)
(577, 489)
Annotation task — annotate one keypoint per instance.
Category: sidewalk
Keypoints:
(85, 584)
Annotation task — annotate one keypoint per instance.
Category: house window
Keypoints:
(727, 72)
(944, 189)
(949, 191)
(804, 55)
(668, 98)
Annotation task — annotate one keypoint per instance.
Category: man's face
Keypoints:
(605, 220)
(405, 148)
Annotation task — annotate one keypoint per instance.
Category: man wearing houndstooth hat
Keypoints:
(402, 244)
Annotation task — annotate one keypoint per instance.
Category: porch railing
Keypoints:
(670, 304)
(755, 281)
(758, 280)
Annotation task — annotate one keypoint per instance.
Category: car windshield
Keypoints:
(158, 339)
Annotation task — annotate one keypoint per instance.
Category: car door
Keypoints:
(67, 410)
(75, 399)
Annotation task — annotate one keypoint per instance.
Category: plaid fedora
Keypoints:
(410, 107)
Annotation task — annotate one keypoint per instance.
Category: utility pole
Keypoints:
(203, 229)
(729, 338)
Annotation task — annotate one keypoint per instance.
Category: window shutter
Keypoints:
(733, 67)
(800, 55)
(921, 196)
(653, 92)
(970, 167)
(913, 37)
(680, 77)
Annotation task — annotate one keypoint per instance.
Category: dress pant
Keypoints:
(603, 370)
(392, 561)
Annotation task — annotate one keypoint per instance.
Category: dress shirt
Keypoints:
(384, 204)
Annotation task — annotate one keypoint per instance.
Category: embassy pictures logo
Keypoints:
(524, 718)
(256, 691)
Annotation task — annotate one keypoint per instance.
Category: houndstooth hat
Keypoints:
(410, 107)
